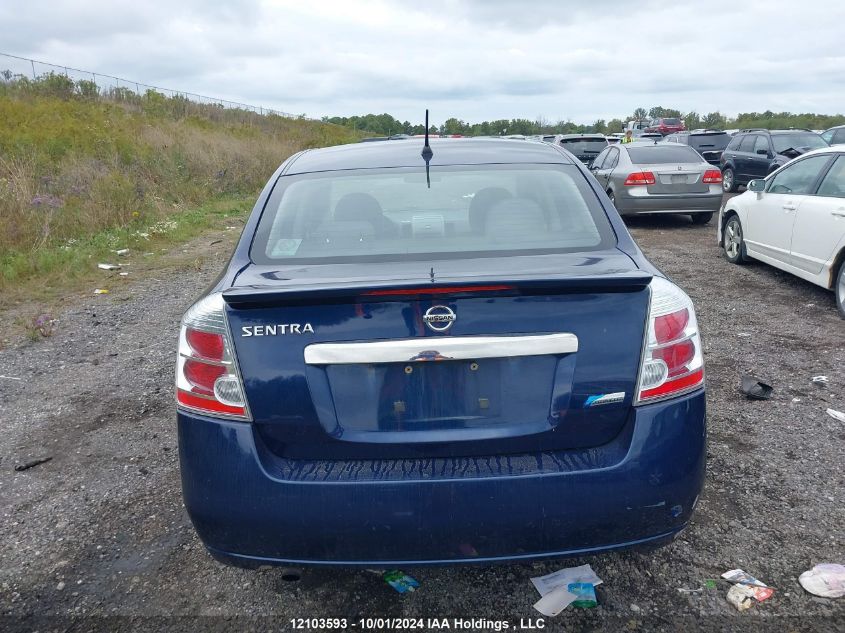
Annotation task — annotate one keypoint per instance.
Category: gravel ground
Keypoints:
(97, 538)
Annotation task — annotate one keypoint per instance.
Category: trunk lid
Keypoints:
(676, 178)
(338, 361)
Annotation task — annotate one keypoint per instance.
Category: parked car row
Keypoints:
(793, 219)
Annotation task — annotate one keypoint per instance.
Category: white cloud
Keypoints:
(473, 59)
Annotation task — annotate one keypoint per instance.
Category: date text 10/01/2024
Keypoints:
(419, 624)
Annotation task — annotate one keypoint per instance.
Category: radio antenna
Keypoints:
(427, 153)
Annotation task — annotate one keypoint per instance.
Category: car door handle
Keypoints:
(839, 213)
(789, 206)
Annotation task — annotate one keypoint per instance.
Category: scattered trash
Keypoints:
(101, 291)
(586, 593)
(685, 590)
(796, 400)
(400, 581)
(756, 389)
(826, 580)
(837, 415)
(819, 380)
(744, 334)
(11, 378)
(216, 242)
(555, 601)
(108, 266)
(709, 583)
(573, 585)
(741, 596)
(760, 590)
(123, 274)
(122, 252)
(32, 463)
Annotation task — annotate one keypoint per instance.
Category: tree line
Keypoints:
(386, 125)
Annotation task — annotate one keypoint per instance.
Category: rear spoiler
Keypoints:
(374, 290)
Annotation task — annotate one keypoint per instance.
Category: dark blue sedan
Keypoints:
(467, 363)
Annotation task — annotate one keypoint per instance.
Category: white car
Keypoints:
(794, 219)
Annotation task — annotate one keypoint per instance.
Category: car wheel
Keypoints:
(840, 290)
(701, 218)
(612, 197)
(728, 180)
(732, 241)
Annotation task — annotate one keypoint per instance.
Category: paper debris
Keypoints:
(761, 591)
(819, 380)
(122, 252)
(741, 596)
(837, 415)
(400, 581)
(564, 577)
(555, 601)
(101, 291)
(108, 266)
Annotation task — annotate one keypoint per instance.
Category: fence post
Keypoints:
(33, 68)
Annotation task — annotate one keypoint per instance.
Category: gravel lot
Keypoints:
(97, 538)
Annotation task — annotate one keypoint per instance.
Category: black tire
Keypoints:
(733, 242)
(729, 180)
(839, 288)
(701, 218)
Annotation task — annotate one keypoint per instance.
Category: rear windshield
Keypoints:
(671, 121)
(805, 140)
(391, 215)
(581, 146)
(669, 153)
(708, 142)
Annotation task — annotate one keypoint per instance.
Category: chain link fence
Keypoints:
(109, 87)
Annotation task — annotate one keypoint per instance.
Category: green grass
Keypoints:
(82, 175)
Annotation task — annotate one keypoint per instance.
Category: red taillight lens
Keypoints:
(639, 178)
(672, 361)
(207, 378)
(712, 177)
(668, 327)
(202, 376)
(205, 344)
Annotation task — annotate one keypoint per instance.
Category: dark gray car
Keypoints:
(646, 177)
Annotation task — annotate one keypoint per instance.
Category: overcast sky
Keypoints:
(473, 59)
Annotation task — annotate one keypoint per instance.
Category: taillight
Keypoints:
(672, 362)
(712, 176)
(639, 178)
(207, 376)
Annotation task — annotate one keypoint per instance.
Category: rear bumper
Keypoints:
(693, 203)
(250, 510)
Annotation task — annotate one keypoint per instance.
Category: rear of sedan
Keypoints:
(472, 363)
(665, 178)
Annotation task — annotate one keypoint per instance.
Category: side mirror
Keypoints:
(593, 167)
(758, 185)
(764, 152)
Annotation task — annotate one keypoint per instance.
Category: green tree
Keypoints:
(640, 114)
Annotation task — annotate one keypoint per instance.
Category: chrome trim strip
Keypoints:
(433, 348)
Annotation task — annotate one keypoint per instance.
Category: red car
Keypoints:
(666, 125)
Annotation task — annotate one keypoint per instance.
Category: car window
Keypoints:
(747, 144)
(663, 154)
(735, 141)
(709, 142)
(801, 140)
(827, 136)
(583, 146)
(838, 137)
(798, 178)
(598, 160)
(671, 121)
(612, 159)
(762, 143)
(383, 215)
(833, 184)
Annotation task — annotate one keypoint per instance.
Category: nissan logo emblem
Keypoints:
(439, 318)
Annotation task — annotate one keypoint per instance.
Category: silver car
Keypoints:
(648, 177)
